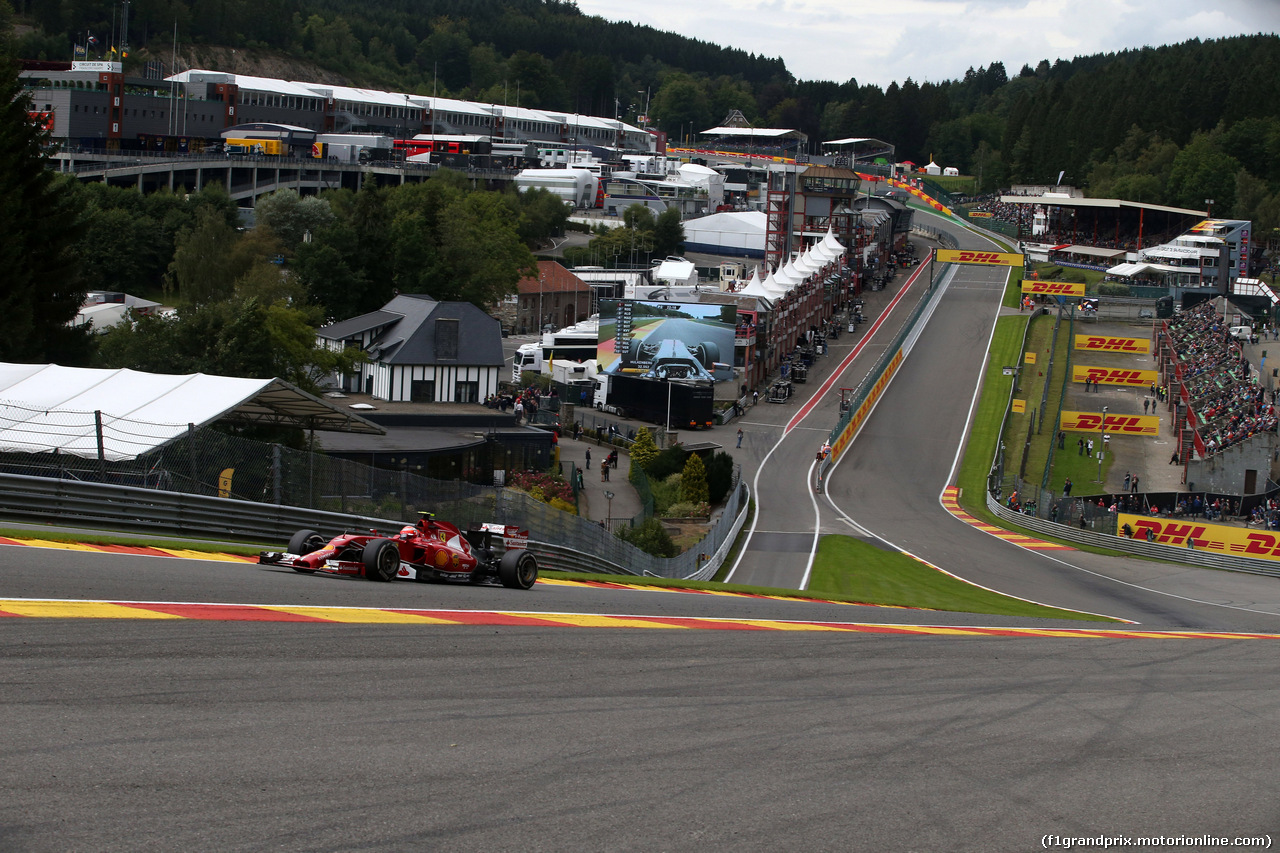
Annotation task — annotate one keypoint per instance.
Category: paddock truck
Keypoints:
(691, 404)
(428, 551)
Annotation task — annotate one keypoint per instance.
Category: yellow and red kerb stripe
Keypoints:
(951, 501)
(51, 609)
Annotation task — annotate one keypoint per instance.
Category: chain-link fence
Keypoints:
(215, 464)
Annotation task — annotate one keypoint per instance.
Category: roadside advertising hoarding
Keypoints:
(1218, 538)
(1106, 343)
(1113, 376)
(1144, 425)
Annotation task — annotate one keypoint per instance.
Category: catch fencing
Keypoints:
(209, 483)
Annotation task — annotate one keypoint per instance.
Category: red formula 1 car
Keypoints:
(428, 551)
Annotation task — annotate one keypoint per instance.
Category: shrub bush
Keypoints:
(688, 509)
(650, 537)
(1113, 288)
(665, 493)
(719, 476)
(668, 462)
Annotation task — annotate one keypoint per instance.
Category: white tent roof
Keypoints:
(756, 288)
(676, 270)
(46, 408)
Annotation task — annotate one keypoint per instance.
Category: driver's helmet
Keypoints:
(407, 531)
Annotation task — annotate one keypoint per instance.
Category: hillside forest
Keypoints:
(1170, 125)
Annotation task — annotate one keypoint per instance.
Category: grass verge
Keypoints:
(851, 568)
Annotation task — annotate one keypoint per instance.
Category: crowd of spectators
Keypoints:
(1229, 406)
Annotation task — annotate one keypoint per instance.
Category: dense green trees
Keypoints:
(40, 223)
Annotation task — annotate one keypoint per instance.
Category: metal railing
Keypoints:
(560, 540)
(1135, 547)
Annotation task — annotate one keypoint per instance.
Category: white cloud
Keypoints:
(877, 42)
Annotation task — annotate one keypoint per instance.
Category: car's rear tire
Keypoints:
(381, 559)
(305, 542)
(518, 570)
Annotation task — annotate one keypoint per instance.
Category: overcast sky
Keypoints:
(880, 41)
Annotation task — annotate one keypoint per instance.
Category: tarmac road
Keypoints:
(889, 480)
(780, 543)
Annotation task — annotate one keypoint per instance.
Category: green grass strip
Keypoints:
(860, 571)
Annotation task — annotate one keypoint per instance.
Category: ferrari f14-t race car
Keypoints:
(428, 551)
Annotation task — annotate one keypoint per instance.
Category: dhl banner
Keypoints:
(1053, 288)
(1105, 343)
(1019, 407)
(1148, 425)
(980, 214)
(1113, 376)
(990, 259)
(1218, 538)
(1028, 358)
(855, 422)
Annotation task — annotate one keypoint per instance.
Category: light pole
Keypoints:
(608, 520)
(1102, 435)
(668, 421)
(1208, 206)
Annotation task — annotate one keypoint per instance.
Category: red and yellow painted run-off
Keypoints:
(951, 502)
(67, 609)
(138, 550)
(150, 551)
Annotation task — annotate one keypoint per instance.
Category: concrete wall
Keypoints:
(1224, 472)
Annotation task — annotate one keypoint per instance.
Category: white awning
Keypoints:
(46, 408)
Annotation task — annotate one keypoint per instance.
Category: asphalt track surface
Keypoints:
(158, 735)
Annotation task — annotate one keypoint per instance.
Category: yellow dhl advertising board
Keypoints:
(1106, 343)
(1053, 288)
(1019, 407)
(1113, 376)
(980, 214)
(990, 259)
(1146, 425)
(1218, 538)
(1028, 358)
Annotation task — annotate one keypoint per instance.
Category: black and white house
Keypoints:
(422, 351)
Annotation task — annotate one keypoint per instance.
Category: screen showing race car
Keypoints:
(666, 340)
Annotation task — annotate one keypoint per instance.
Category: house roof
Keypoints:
(552, 278)
(358, 325)
(408, 332)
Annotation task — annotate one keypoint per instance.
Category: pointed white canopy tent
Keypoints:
(756, 287)
(831, 245)
(774, 288)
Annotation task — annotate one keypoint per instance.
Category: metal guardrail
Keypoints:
(152, 511)
(1134, 547)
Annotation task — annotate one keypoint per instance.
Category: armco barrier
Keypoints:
(151, 511)
(1136, 547)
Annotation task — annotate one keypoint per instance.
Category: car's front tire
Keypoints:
(381, 559)
(305, 542)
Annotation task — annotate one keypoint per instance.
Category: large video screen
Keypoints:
(667, 340)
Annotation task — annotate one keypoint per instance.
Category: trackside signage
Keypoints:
(1106, 343)
(1218, 538)
(1053, 288)
(990, 259)
(851, 429)
(1113, 376)
(1116, 424)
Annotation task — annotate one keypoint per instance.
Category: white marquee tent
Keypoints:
(732, 232)
(46, 408)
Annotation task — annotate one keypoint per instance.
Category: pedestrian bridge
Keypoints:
(245, 178)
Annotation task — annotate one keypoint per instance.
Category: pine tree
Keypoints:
(693, 481)
(39, 224)
(643, 450)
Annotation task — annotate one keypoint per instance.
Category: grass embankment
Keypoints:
(859, 571)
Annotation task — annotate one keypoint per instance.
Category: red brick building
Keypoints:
(555, 297)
